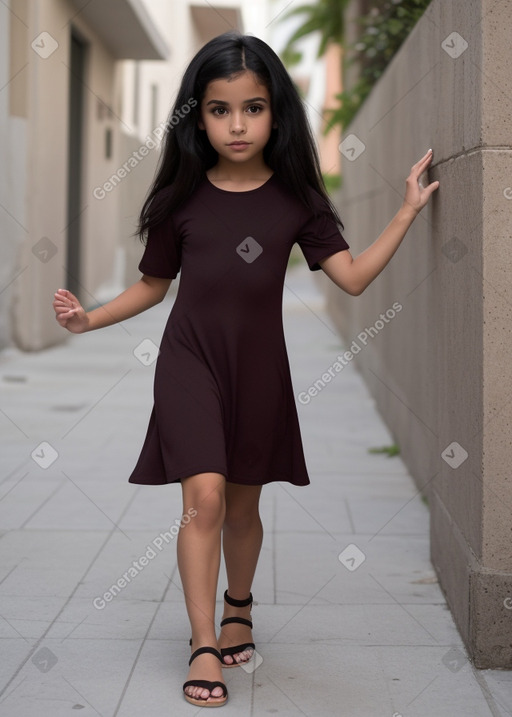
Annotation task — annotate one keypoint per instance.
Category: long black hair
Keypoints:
(186, 152)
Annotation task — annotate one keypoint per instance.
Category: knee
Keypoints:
(239, 519)
(206, 503)
(210, 509)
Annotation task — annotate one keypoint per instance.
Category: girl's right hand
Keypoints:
(69, 312)
(416, 195)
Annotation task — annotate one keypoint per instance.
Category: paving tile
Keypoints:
(83, 675)
(349, 619)
(27, 616)
(119, 619)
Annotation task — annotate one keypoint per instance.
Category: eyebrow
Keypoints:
(221, 102)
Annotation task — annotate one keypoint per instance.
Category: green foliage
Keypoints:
(296, 258)
(290, 56)
(384, 29)
(393, 450)
(332, 182)
(325, 17)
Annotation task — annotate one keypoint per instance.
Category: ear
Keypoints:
(274, 125)
(200, 124)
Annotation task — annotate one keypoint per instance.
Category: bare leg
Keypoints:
(198, 551)
(242, 538)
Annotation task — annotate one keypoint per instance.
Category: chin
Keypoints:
(237, 158)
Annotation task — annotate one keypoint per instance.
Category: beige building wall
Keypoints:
(439, 367)
(13, 149)
(34, 109)
(330, 159)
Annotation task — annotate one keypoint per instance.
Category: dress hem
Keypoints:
(190, 472)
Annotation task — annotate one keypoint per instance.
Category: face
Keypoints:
(237, 117)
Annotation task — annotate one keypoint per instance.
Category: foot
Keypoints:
(205, 667)
(236, 634)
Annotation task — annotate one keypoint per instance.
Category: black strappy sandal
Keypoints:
(206, 684)
(242, 621)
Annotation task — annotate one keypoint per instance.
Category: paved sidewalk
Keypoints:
(366, 634)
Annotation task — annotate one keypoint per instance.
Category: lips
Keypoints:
(238, 144)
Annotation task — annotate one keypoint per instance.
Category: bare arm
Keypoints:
(142, 295)
(354, 275)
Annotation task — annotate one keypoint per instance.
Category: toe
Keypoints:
(197, 693)
(217, 692)
(244, 656)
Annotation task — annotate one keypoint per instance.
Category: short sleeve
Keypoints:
(162, 255)
(320, 235)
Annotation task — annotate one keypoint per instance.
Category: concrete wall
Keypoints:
(13, 148)
(440, 370)
(34, 108)
(46, 186)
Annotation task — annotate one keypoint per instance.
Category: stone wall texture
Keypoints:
(440, 370)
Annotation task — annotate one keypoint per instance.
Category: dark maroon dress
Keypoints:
(223, 397)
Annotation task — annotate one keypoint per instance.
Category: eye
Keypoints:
(254, 109)
(218, 111)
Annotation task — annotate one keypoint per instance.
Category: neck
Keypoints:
(239, 172)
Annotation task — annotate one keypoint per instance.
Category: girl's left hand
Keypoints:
(416, 195)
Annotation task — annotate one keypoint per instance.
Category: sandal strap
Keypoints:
(204, 650)
(206, 684)
(238, 648)
(240, 620)
(237, 603)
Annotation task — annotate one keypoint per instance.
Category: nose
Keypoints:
(237, 123)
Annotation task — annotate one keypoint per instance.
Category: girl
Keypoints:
(238, 184)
